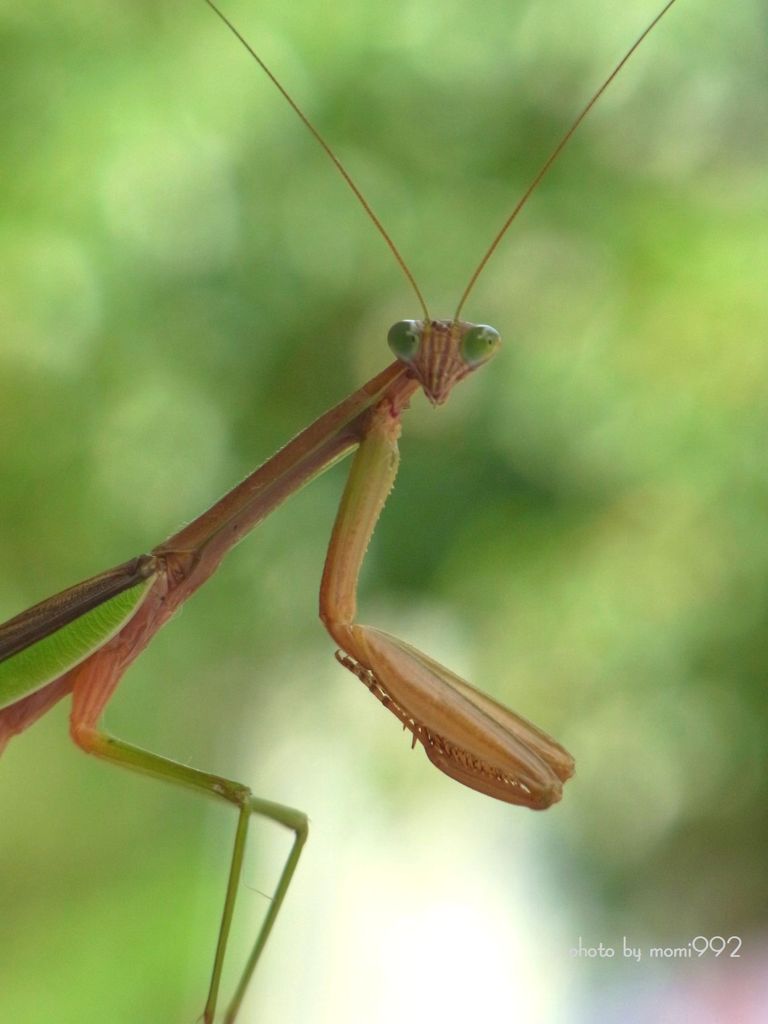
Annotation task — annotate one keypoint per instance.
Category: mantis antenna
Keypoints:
(552, 157)
(331, 155)
(536, 181)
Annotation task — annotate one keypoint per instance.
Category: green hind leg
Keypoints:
(90, 695)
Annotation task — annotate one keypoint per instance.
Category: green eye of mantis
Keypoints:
(479, 344)
(404, 339)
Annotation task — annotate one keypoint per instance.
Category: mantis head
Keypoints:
(440, 353)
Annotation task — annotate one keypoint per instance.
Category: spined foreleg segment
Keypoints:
(529, 772)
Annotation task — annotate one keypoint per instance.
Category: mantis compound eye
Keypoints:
(404, 338)
(479, 344)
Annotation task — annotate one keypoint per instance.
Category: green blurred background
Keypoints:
(185, 283)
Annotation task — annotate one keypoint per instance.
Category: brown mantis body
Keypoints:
(81, 642)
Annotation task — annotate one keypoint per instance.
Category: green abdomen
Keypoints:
(50, 657)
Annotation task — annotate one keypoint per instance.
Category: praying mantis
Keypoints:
(81, 641)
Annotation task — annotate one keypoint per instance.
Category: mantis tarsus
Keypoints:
(81, 641)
